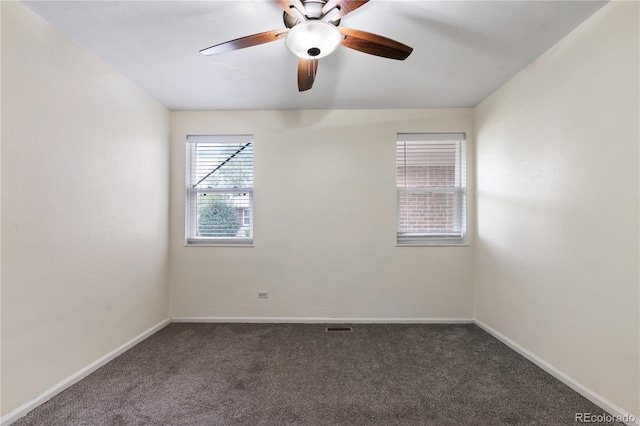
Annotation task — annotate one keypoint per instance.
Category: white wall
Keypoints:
(556, 254)
(324, 222)
(84, 208)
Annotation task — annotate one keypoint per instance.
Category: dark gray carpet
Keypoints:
(296, 374)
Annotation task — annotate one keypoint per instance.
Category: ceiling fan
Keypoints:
(312, 32)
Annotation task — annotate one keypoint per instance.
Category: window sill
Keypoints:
(217, 245)
(434, 245)
(219, 242)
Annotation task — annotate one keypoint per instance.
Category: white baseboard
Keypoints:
(319, 320)
(573, 384)
(76, 377)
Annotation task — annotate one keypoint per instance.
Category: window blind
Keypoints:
(431, 188)
(219, 189)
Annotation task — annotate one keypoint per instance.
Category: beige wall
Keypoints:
(84, 208)
(324, 225)
(556, 254)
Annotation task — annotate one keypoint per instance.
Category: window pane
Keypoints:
(426, 212)
(426, 176)
(223, 165)
(221, 215)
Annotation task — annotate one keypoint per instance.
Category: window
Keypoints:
(219, 190)
(431, 188)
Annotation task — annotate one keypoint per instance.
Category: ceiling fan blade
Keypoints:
(374, 44)
(307, 69)
(248, 41)
(345, 6)
(286, 5)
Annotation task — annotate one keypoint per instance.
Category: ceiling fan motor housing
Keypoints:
(314, 11)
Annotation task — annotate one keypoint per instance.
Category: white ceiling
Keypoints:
(463, 51)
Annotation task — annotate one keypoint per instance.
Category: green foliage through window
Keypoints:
(218, 218)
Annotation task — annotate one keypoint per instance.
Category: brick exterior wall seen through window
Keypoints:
(421, 211)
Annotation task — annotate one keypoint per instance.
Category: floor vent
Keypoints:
(338, 329)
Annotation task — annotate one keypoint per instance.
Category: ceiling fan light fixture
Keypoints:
(313, 39)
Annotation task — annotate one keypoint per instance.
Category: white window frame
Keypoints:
(460, 197)
(190, 193)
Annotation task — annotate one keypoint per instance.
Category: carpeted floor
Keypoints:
(296, 374)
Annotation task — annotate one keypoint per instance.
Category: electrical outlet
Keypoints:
(263, 295)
